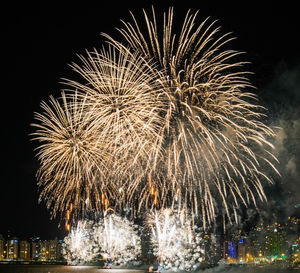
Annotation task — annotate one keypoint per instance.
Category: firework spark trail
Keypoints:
(122, 92)
(72, 158)
(173, 108)
(102, 137)
(118, 239)
(176, 242)
(79, 244)
(112, 238)
(215, 144)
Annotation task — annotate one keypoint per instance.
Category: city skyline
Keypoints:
(43, 40)
(275, 243)
(32, 249)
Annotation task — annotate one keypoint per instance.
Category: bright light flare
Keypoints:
(113, 239)
(177, 244)
(117, 239)
(79, 246)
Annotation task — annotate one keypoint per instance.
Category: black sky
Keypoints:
(40, 40)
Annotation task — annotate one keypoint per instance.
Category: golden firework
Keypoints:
(104, 135)
(166, 120)
(215, 145)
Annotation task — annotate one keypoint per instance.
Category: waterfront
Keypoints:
(10, 268)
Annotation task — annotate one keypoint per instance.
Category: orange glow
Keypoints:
(68, 227)
(155, 199)
(152, 188)
(68, 215)
(106, 203)
(71, 207)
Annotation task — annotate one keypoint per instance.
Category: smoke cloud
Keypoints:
(283, 100)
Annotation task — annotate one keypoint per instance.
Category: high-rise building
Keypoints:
(35, 248)
(12, 249)
(52, 250)
(210, 243)
(44, 251)
(2, 249)
(24, 250)
(60, 255)
(229, 250)
(218, 247)
(242, 251)
(275, 245)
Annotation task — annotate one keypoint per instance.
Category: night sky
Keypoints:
(40, 41)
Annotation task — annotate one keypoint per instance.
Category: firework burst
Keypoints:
(72, 158)
(79, 244)
(113, 239)
(176, 243)
(215, 144)
(117, 239)
(164, 122)
(122, 91)
(100, 139)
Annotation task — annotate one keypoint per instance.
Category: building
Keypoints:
(60, 252)
(214, 248)
(44, 251)
(12, 249)
(35, 249)
(210, 243)
(229, 250)
(2, 248)
(24, 253)
(54, 249)
(275, 244)
(242, 251)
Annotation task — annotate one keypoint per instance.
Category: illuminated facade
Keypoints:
(24, 250)
(35, 250)
(47, 251)
(277, 243)
(54, 250)
(2, 249)
(12, 249)
(242, 251)
(44, 251)
(229, 250)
